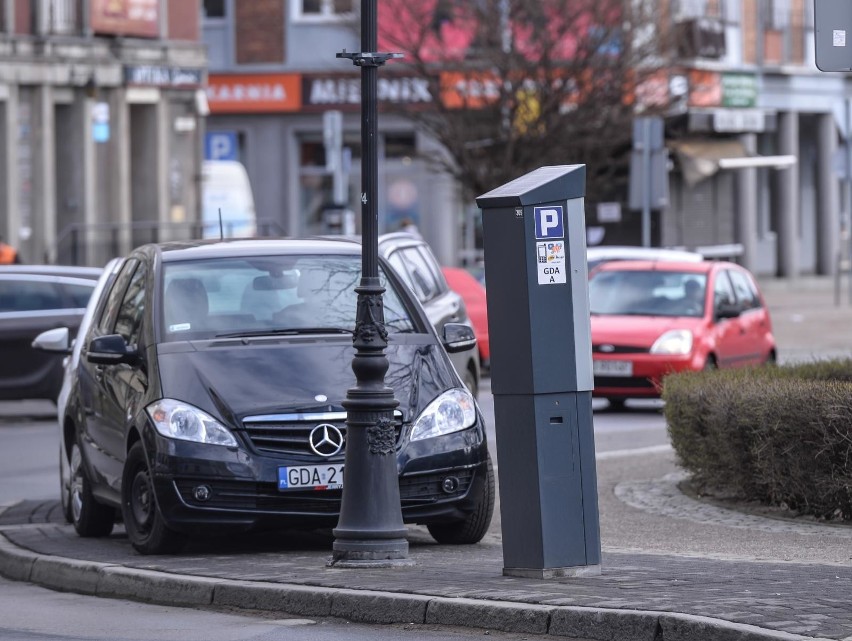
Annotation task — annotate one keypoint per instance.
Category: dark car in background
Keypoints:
(414, 261)
(208, 397)
(35, 298)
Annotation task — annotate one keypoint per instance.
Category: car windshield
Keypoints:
(255, 296)
(647, 293)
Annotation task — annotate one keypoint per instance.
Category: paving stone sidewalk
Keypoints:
(663, 552)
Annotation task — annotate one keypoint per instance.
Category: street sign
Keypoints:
(833, 35)
(221, 145)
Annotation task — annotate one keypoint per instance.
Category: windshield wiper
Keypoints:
(290, 331)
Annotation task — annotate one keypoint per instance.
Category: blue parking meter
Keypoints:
(541, 372)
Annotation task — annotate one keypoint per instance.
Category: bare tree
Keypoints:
(519, 84)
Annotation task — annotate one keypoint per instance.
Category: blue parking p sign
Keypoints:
(221, 145)
(548, 222)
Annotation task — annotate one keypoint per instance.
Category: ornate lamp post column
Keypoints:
(370, 530)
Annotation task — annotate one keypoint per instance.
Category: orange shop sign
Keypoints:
(254, 93)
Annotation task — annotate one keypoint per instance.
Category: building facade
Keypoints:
(283, 105)
(757, 138)
(101, 120)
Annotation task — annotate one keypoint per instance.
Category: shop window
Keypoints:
(214, 9)
(323, 9)
(400, 145)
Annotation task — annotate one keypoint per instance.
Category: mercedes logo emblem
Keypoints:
(608, 348)
(325, 440)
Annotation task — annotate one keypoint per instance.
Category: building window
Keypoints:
(323, 9)
(214, 9)
(688, 9)
(778, 14)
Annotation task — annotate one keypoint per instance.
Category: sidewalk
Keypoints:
(673, 568)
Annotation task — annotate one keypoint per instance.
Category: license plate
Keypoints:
(311, 477)
(612, 368)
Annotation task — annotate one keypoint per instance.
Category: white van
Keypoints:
(226, 189)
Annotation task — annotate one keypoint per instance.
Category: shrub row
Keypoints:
(778, 435)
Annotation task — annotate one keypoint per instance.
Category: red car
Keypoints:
(650, 318)
(472, 292)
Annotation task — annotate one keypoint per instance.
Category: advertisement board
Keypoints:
(126, 17)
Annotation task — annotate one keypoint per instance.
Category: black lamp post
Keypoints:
(370, 530)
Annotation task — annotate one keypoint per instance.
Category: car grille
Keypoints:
(623, 381)
(618, 349)
(247, 495)
(288, 434)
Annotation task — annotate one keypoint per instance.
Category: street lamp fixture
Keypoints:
(370, 531)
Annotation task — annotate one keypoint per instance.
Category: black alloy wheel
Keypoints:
(146, 528)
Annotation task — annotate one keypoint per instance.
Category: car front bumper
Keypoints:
(199, 486)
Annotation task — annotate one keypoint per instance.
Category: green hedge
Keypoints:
(778, 435)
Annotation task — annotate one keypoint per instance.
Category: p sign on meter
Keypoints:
(550, 244)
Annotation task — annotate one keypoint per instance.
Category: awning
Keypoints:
(702, 158)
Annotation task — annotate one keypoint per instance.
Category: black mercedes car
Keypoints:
(209, 393)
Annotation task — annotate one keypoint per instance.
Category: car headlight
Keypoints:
(452, 411)
(676, 341)
(176, 419)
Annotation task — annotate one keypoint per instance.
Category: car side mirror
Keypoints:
(54, 341)
(111, 349)
(727, 310)
(458, 337)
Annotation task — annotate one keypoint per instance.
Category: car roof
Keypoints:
(612, 252)
(698, 267)
(215, 248)
(72, 271)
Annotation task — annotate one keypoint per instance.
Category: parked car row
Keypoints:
(205, 393)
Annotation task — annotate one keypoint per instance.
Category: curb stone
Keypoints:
(365, 606)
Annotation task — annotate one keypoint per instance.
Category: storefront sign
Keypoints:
(159, 76)
(126, 17)
(339, 92)
(739, 120)
(705, 88)
(739, 90)
(254, 93)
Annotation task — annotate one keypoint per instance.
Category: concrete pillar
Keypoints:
(75, 181)
(120, 206)
(44, 177)
(786, 197)
(163, 133)
(746, 198)
(10, 214)
(828, 211)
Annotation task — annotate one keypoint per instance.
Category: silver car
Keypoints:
(412, 258)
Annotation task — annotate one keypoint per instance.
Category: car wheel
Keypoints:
(90, 518)
(469, 380)
(473, 528)
(146, 528)
(711, 363)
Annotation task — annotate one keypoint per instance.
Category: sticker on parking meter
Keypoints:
(548, 222)
(551, 262)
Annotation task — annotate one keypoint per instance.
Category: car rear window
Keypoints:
(647, 293)
(214, 297)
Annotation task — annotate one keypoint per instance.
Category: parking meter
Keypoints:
(541, 372)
